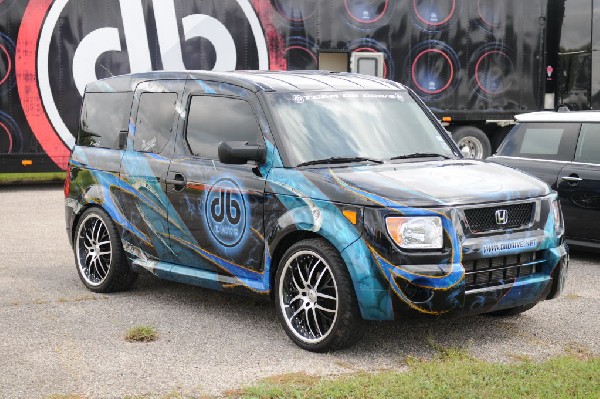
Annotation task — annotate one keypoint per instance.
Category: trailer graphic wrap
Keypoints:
(471, 60)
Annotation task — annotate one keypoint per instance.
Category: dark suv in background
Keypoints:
(340, 196)
(562, 149)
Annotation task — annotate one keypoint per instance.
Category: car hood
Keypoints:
(422, 184)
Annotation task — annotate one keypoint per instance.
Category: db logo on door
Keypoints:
(65, 44)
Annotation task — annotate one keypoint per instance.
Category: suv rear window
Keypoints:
(588, 149)
(103, 116)
(553, 141)
(154, 122)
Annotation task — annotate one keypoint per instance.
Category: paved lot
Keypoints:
(57, 338)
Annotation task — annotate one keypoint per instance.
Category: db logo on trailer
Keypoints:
(63, 45)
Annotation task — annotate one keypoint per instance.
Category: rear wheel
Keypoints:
(315, 298)
(472, 142)
(512, 311)
(99, 255)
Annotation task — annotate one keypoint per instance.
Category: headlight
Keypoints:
(559, 227)
(424, 232)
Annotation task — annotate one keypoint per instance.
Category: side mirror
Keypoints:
(240, 152)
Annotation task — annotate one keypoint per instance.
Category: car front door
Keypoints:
(579, 186)
(219, 222)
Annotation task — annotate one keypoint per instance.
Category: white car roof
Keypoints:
(566, 116)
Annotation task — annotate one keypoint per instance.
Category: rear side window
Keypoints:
(552, 141)
(212, 120)
(154, 121)
(588, 147)
(103, 116)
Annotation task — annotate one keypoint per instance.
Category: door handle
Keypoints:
(179, 181)
(573, 179)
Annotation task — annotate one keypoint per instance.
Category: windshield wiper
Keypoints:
(339, 160)
(420, 155)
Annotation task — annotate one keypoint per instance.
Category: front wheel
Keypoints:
(99, 254)
(315, 298)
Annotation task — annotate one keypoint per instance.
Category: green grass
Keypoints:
(450, 374)
(9, 178)
(141, 334)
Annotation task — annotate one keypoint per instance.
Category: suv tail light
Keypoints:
(68, 181)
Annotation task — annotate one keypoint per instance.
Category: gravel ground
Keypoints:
(57, 338)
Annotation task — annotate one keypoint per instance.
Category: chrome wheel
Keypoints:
(308, 296)
(94, 249)
(470, 147)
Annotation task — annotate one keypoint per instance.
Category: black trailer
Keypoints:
(476, 63)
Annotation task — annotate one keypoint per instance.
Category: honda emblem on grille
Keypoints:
(501, 216)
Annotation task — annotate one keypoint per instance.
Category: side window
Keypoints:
(553, 141)
(103, 116)
(212, 120)
(588, 147)
(154, 122)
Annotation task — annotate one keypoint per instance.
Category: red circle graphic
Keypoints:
(9, 61)
(10, 142)
(413, 70)
(481, 86)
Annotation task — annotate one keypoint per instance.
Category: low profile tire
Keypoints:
(472, 142)
(512, 311)
(99, 255)
(315, 298)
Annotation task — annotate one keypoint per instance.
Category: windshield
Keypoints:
(374, 125)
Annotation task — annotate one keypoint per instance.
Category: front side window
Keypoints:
(154, 122)
(552, 141)
(212, 120)
(103, 116)
(371, 124)
(588, 147)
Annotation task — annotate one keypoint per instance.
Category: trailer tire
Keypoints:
(472, 142)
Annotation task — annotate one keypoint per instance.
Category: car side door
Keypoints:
(144, 169)
(219, 207)
(579, 186)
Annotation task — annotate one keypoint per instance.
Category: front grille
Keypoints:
(484, 219)
(500, 270)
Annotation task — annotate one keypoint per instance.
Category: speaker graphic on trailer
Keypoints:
(434, 69)
(435, 15)
(368, 14)
(11, 140)
(492, 14)
(492, 71)
(7, 64)
(295, 12)
(301, 53)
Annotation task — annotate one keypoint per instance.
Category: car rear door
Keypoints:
(579, 186)
(144, 168)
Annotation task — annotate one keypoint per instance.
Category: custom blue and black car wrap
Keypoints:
(228, 226)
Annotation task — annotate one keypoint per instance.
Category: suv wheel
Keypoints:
(99, 255)
(315, 298)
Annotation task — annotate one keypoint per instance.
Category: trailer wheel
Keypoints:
(473, 142)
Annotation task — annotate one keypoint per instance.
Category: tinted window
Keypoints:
(588, 148)
(554, 141)
(103, 116)
(154, 122)
(212, 120)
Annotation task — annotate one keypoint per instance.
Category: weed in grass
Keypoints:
(448, 353)
(141, 334)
